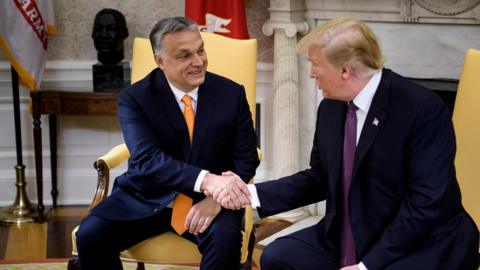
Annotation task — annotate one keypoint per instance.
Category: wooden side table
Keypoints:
(56, 103)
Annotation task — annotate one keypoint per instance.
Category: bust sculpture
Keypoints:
(109, 32)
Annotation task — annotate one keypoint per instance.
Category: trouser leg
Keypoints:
(302, 250)
(100, 241)
(220, 244)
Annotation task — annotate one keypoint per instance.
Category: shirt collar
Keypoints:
(364, 98)
(179, 93)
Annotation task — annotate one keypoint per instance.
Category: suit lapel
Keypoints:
(336, 119)
(204, 113)
(375, 119)
(173, 113)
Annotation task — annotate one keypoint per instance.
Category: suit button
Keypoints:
(155, 210)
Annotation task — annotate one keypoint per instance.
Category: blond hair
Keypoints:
(346, 41)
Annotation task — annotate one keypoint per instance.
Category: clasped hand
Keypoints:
(227, 189)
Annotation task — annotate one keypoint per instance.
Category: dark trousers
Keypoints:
(100, 241)
(302, 250)
(306, 250)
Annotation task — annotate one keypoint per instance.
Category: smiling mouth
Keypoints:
(196, 72)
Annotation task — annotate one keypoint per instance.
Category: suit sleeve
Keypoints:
(149, 166)
(430, 151)
(245, 156)
(299, 189)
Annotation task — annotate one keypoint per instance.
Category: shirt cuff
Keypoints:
(254, 201)
(362, 266)
(199, 181)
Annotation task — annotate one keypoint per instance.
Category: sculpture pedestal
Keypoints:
(110, 78)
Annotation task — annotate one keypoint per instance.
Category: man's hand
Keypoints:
(228, 201)
(351, 267)
(201, 215)
(228, 188)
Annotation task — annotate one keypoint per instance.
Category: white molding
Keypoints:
(5, 75)
(291, 29)
(75, 151)
(405, 11)
(4, 101)
(65, 75)
(76, 186)
(68, 76)
(264, 97)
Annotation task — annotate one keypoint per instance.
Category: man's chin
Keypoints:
(197, 80)
(200, 82)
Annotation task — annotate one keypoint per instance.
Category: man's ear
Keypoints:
(347, 72)
(159, 61)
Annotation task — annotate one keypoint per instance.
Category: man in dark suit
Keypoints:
(382, 158)
(173, 155)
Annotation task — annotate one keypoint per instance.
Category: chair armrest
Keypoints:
(116, 156)
(103, 165)
(248, 240)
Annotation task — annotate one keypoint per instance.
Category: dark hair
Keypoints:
(169, 25)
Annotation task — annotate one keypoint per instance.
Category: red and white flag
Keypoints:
(224, 17)
(24, 28)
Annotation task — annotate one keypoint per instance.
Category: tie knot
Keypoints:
(187, 100)
(352, 107)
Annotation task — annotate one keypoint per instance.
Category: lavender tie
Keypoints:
(347, 245)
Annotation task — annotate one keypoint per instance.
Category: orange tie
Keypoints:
(183, 203)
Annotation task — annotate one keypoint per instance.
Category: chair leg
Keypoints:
(251, 244)
(73, 263)
(140, 266)
(246, 266)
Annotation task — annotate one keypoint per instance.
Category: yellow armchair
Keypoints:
(232, 58)
(466, 121)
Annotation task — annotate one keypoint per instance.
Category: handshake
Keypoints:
(227, 189)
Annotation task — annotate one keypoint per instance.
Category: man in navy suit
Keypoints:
(382, 158)
(168, 157)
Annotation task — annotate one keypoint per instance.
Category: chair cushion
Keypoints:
(166, 248)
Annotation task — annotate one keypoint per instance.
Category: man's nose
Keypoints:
(198, 60)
